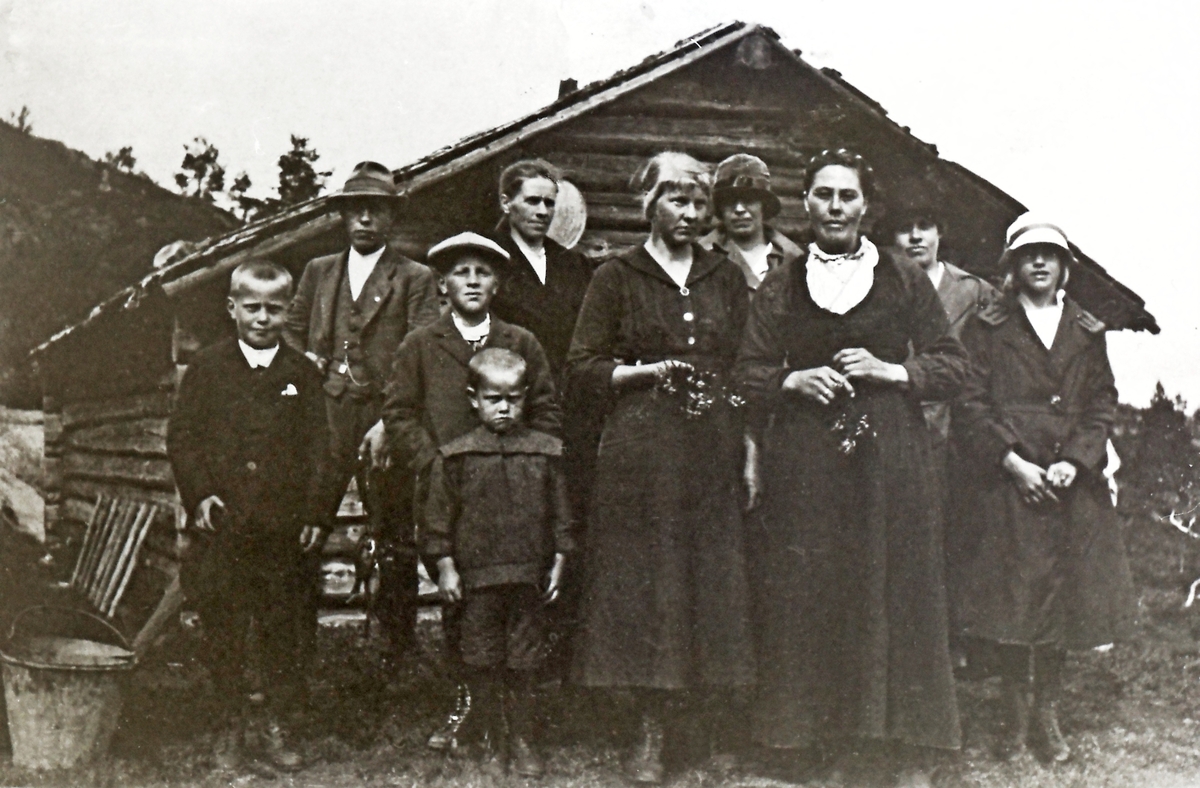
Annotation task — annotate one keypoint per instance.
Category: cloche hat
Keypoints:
(744, 175)
(1030, 229)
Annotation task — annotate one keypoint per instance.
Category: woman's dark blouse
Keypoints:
(787, 331)
(634, 313)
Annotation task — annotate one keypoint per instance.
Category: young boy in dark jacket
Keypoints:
(248, 445)
(498, 523)
(425, 406)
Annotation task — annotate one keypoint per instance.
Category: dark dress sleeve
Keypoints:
(591, 359)
(979, 427)
(761, 362)
(1087, 444)
(939, 361)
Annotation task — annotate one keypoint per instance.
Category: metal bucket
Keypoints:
(61, 685)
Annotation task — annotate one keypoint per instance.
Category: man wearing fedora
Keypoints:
(350, 313)
(744, 202)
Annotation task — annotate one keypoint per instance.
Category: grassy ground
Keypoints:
(1132, 716)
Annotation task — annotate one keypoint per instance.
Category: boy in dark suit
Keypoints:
(249, 447)
(425, 407)
(498, 523)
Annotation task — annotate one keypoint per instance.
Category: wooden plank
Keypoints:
(88, 489)
(137, 406)
(650, 105)
(707, 147)
(274, 244)
(91, 518)
(147, 472)
(140, 437)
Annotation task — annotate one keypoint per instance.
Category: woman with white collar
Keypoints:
(1050, 570)
(847, 551)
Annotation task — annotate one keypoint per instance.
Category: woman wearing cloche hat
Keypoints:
(1049, 571)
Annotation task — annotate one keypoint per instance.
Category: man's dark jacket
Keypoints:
(256, 438)
(399, 296)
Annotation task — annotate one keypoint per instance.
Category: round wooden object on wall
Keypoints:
(570, 215)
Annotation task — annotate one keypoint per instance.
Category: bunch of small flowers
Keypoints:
(848, 428)
(698, 390)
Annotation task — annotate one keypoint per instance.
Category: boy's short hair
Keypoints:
(491, 360)
(259, 270)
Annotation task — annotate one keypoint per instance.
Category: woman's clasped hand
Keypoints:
(824, 384)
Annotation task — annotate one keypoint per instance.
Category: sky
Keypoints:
(1086, 112)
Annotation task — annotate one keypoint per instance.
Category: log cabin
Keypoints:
(108, 381)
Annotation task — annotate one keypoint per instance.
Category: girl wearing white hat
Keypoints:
(1050, 571)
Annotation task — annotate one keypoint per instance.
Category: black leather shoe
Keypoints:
(275, 747)
(646, 765)
(445, 738)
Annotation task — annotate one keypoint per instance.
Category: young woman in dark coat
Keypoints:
(847, 550)
(1050, 570)
(665, 599)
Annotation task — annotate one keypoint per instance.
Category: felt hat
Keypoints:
(442, 255)
(369, 179)
(743, 175)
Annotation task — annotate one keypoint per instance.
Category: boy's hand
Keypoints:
(311, 537)
(1061, 474)
(203, 518)
(449, 583)
(374, 447)
(554, 583)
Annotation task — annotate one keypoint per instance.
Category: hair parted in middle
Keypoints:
(492, 360)
(842, 157)
(518, 172)
(669, 169)
(260, 270)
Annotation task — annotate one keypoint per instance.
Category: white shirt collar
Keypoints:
(359, 268)
(258, 358)
(839, 282)
(1044, 319)
(937, 274)
(472, 333)
(536, 257)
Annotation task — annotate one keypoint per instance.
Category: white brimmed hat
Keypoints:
(1031, 229)
(441, 256)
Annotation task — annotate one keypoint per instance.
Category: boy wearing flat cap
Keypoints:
(426, 406)
(744, 202)
(350, 313)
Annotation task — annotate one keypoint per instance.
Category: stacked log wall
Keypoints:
(117, 447)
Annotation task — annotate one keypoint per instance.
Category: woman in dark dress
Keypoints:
(665, 601)
(847, 558)
(1050, 570)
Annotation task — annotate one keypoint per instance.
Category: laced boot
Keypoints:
(646, 766)
(1047, 686)
(275, 747)
(445, 738)
(524, 759)
(227, 749)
